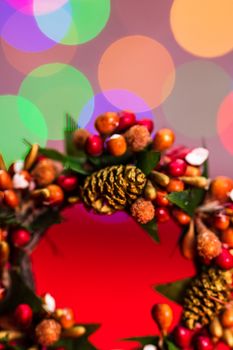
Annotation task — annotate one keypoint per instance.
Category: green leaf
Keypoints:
(174, 290)
(147, 161)
(187, 200)
(205, 171)
(44, 221)
(19, 293)
(151, 339)
(70, 127)
(152, 229)
(171, 345)
(107, 160)
(72, 163)
(81, 343)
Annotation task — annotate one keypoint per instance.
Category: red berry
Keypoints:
(127, 119)
(94, 145)
(67, 182)
(204, 343)
(147, 123)
(183, 336)
(177, 167)
(161, 199)
(162, 214)
(21, 237)
(2, 347)
(23, 315)
(221, 221)
(225, 259)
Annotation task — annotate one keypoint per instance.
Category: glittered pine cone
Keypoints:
(137, 138)
(205, 297)
(113, 188)
(48, 332)
(44, 172)
(208, 244)
(142, 210)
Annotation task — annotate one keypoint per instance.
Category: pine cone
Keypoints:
(206, 296)
(48, 332)
(44, 172)
(113, 188)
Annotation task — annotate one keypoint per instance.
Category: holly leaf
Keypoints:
(81, 343)
(150, 339)
(187, 200)
(69, 162)
(147, 160)
(45, 220)
(107, 160)
(174, 290)
(152, 229)
(171, 345)
(19, 293)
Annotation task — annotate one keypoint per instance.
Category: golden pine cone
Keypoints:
(48, 332)
(206, 296)
(113, 188)
(44, 172)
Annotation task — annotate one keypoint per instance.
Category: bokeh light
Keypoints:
(76, 22)
(57, 89)
(21, 30)
(36, 7)
(20, 119)
(100, 104)
(25, 62)
(192, 107)
(203, 27)
(225, 122)
(139, 65)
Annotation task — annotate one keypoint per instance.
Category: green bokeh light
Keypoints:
(20, 119)
(57, 89)
(89, 17)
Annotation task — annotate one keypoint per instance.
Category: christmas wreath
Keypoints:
(123, 167)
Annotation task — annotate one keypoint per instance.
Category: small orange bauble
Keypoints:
(56, 194)
(227, 236)
(192, 171)
(220, 187)
(11, 198)
(162, 314)
(107, 123)
(5, 180)
(182, 217)
(163, 139)
(117, 145)
(175, 185)
(67, 319)
(221, 221)
(227, 318)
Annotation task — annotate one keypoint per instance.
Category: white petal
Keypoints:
(49, 303)
(197, 156)
(230, 194)
(18, 166)
(20, 182)
(150, 347)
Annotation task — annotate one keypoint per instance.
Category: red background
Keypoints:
(106, 272)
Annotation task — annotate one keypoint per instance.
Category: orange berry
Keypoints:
(11, 198)
(221, 221)
(220, 187)
(67, 319)
(117, 145)
(175, 185)
(227, 318)
(162, 314)
(56, 194)
(106, 123)
(5, 180)
(161, 199)
(227, 236)
(163, 139)
(181, 217)
(192, 171)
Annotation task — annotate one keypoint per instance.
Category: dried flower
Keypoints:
(142, 210)
(137, 137)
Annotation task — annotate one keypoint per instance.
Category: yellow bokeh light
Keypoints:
(203, 27)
